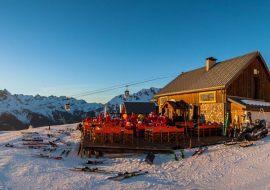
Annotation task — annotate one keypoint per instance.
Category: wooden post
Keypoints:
(89, 154)
(198, 128)
(190, 144)
(81, 144)
(186, 122)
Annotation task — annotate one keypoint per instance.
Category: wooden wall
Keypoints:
(245, 83)
(193, 98)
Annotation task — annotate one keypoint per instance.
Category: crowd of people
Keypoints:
(132, 121)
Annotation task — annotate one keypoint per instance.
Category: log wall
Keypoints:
(249, 85)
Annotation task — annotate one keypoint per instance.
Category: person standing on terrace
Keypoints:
(133, 119)
(140, 118)
(108, 117)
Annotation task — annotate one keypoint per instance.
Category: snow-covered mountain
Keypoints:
(144, 95)
(19, 111)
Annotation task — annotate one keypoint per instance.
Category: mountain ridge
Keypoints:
(18, 111)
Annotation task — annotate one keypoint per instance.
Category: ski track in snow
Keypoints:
(219, 167)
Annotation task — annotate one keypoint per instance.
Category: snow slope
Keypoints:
(220, 167)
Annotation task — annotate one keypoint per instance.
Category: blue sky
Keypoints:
(69, 47)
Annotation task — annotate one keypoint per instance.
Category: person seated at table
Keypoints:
(146, 120)
(139, 126)
(152, 123)
(128, 126)
(160, 118)
(150, 116)
(94, 119)
(166, 118)
(155, 116)
(163, 124)
(157, 123)
(88, 119)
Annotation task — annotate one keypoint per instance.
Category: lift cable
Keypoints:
(119, 86)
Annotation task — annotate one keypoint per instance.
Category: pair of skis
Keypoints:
(243, 144)
(47, 156)
(35, 144)
(64, 143)
(92, 170)
(127, 175)
(181, 153)
(29, 133)
(22, 147)
(32, 139)
(67, 151)
(199, 151)
(89, 162)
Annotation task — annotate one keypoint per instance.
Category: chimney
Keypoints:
(210, 62)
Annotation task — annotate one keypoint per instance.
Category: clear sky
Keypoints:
(68, 47)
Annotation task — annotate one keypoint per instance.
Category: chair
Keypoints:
(164, 134)
(97, 135)
(215, 129)
(147, 131)
(117, 134)
(140, 130)
(155, 135)
(128, 136)
(179, 132)
(86, 131)
(171, 133)
(107, 135)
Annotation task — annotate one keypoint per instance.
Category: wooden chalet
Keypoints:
(235, 86)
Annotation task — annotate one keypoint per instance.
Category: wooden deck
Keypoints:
(142, 146)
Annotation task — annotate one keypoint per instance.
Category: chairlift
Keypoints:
(126, 95)
(67, 106)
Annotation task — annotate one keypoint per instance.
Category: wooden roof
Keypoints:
(139, 107)
(176, 105)
(239, 101)
(218, 77)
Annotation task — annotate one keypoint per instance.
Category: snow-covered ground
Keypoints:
(219, 167)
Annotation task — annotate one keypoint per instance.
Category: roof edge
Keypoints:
(190, 91)
(231, 100)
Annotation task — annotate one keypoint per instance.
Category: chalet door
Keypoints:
(256, 88)
(195, 112)
(163, 111)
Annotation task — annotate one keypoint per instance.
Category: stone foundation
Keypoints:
(212, 112)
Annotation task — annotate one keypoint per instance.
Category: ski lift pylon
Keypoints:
(67, 106)
(126, 93)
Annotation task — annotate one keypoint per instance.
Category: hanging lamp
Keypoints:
(126, 93)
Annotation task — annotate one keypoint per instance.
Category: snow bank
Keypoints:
(220, 167)
(256, 103)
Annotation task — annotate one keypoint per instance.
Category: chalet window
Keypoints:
(163, 100)
(207, 97)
